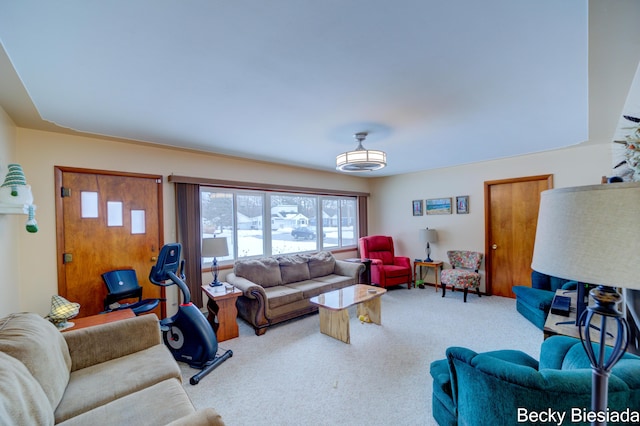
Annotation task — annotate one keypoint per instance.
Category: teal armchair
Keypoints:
(494, 388)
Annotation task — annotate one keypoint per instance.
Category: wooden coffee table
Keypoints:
(334, 315)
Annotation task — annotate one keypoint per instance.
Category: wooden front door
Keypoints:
(105, 221)
(511, 214)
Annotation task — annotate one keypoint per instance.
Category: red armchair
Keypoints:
(387, 269)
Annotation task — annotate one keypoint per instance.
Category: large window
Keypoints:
(261, 223)
(339, 221)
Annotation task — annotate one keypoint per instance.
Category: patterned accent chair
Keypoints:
(387, 269)
(463, 272)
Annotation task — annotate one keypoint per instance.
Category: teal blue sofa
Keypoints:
(495, 388)
(534, 302)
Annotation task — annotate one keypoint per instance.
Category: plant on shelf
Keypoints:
(632, 147)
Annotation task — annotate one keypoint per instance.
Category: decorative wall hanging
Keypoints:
(16, 196)
(462, 204)
(417, 207)
(438, 206)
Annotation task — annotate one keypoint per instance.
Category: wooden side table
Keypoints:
(105, 318)
(222, 310)
(565, 326)
(436, 265)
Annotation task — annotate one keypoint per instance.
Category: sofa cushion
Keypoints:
(155, 405)
(334, 281)
(442, 407)
(41, 348)
(22, 399)
(264, 271)
(310, 288)
(293, 268)
(540, 281)
(547, 282)
(321, 264)
(537, 316)
(534, 297)
(439, 370)
(392, 271)
(92, 345)
(102, 383)
(515, 357)
(203, 417)
(281, 295)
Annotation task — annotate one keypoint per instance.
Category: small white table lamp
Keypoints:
(428, 236)
(215, 247)
(591, 234)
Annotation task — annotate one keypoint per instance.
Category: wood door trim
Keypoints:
(107, 172)
(58, 172)
(487, 218)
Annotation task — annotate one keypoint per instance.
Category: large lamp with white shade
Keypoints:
(591, 234)
(215, 247)
(428, 236)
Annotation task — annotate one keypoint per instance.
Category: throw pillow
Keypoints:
(22, 399)
(321, 264)
(293, 268)
(41, 348)
(264, 272)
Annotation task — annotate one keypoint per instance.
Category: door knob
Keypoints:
(495, 246)
(154, 258)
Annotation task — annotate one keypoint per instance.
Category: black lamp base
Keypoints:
(605, 299)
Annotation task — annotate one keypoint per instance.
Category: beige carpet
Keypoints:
(294, 375)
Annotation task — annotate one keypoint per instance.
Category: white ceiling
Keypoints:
(436, 83)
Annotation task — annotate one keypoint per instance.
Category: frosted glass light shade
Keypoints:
(361, 160)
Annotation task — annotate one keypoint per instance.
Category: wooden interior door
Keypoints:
(105, 221)
(511, 215)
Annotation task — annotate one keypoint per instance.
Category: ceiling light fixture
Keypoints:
(361, 160)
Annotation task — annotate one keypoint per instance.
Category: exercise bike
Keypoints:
(187, 334)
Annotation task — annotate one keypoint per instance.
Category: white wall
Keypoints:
(613, 59)
(10, 226)
(30, 276)
(39, 152)
(392, 197)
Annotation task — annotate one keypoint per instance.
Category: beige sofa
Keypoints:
(113, 374)
(278, 288)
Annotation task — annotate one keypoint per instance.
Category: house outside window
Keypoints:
(260, 223)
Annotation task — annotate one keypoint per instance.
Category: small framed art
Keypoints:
(417, 207)
(438, 206)
(462, 204)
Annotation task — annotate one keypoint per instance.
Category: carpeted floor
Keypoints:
(294, 375)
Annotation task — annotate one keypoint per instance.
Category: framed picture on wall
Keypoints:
(438, 206)
(417, 207)
(462, 204)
